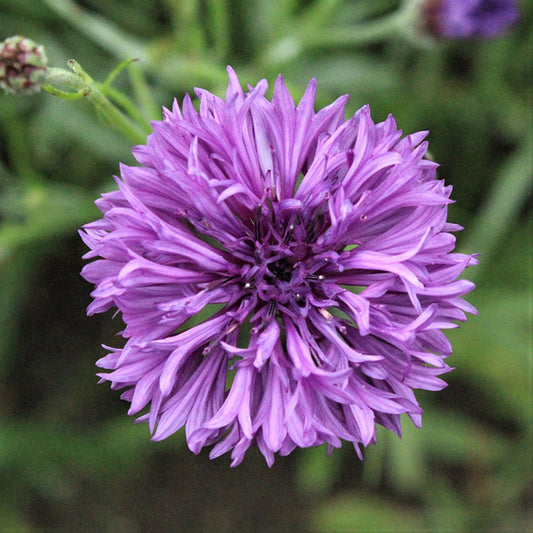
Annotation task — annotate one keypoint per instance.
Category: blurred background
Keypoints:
(70, 458)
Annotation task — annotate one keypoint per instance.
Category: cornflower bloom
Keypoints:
(463, 19)
(284, 274)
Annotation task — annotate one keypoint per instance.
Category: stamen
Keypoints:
(325, 313)
(257, 222)
(288, 235)
(313, 226)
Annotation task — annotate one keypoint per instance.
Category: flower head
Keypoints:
(314, 254)
(23, 65)
(463, 19)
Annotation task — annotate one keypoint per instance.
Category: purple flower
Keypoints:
(463, 19)
(312, 254)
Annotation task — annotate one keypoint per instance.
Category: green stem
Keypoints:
(218, 16)
(143, 93)
(308, 37)
(83, 84)
(364, 33)
(185, 19)
(116, 71)
(105, 33)
(127, 105)
(19, 154)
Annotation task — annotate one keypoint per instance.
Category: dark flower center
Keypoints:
(280, 263)
(281, 269)
(486, 8)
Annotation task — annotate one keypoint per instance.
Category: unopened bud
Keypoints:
(23, 65)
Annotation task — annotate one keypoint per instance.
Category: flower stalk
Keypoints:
(401, 23)
(80, 81)
(398, 23)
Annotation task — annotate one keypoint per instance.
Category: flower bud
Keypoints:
(22, 65)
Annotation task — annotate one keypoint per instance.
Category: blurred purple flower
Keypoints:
(463, 19)
(316, 251)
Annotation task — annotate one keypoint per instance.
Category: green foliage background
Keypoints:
(71, 460)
